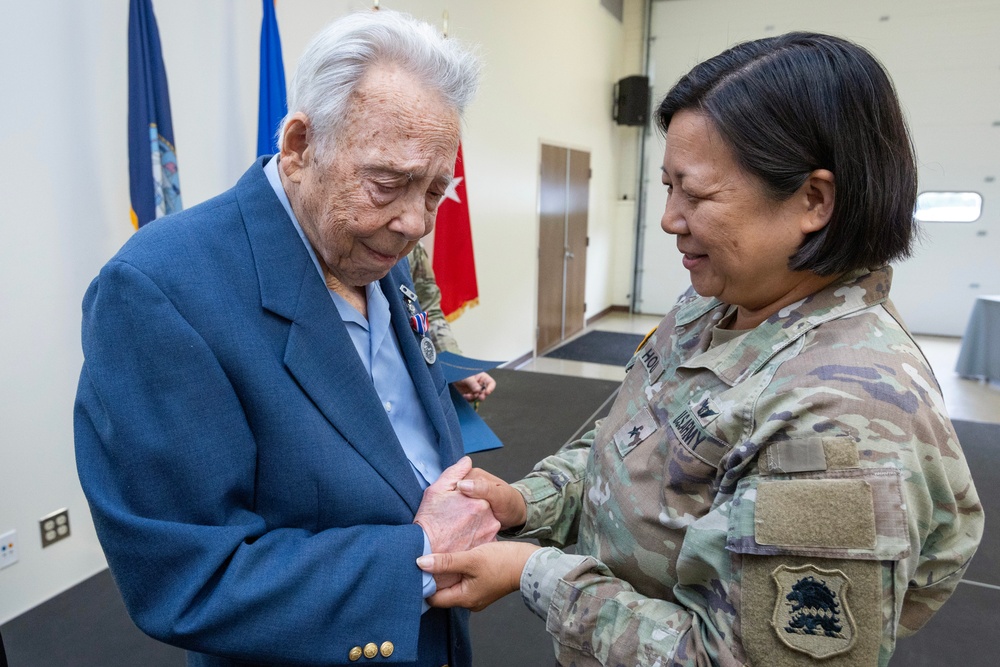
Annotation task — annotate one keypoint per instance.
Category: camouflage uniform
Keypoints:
(429, 297)
(790, 494)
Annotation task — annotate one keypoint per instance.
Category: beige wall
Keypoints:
(549, 71)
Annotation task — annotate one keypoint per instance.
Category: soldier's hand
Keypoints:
(487, 573)
(507, 504)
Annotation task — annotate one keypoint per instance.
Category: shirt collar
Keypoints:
(271, 171)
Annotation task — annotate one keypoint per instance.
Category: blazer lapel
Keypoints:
(319, 352)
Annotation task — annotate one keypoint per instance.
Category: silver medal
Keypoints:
(427, 349)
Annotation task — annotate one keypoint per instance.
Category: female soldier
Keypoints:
(778, 482)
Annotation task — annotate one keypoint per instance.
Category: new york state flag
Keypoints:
(154, 187)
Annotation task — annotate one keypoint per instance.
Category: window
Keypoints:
(948, 207)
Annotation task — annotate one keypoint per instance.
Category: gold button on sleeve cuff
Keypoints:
(354, 653)
(371, 650)
(386, 649)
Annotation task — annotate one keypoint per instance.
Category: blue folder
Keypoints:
(477, 436)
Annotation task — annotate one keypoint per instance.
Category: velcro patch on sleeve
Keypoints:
(840, 453)
(892, 537)
(809, 455)
(805, 455)
(835, 513)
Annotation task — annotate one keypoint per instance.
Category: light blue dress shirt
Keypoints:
(378, 348)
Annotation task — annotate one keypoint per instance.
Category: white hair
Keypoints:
(338, 57)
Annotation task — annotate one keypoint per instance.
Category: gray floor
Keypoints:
(86, 626)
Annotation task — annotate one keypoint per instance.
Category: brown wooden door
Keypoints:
(551, 246)
(562, 244)
(577, 195)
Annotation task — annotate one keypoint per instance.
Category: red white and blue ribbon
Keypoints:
(418, 322)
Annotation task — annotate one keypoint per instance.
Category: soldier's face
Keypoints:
(735, 239)
(375, 194)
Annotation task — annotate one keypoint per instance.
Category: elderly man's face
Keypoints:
(368, 200)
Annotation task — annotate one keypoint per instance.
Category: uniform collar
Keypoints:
(740, 358)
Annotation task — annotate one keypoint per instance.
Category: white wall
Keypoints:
(62, 187)
(944, 61)
(550, 66)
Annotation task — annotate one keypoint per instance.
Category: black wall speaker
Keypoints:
(632, 100)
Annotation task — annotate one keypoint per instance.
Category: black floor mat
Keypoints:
(599, 347)
(534, 414)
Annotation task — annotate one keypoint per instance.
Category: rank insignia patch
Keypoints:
(811, 614)
(635, 430)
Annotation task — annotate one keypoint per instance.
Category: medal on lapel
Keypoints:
(419, 324)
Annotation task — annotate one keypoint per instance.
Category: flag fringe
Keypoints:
(455, 314)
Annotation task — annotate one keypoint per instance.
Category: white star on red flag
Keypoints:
(452, 191)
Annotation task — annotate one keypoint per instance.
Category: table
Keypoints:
(979, 356)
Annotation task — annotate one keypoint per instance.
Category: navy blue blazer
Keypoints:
(250, 494)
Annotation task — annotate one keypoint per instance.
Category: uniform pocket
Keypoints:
(813, 555)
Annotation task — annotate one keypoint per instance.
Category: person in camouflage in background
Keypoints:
(475, 387)
(429, 297)
(778, 482)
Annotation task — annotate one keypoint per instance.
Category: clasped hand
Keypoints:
(480, 573)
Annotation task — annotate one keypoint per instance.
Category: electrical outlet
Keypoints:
(8, 548)
(54, 527)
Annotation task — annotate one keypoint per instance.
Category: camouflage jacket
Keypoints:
(429, 297)
(796, 493)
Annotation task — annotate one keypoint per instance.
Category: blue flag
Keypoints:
(154, 186)
(273, 106)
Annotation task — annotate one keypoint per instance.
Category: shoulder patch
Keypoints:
(809, 454)
(796, 612)
(811, 612)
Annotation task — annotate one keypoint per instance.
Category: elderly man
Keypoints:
(264, 447)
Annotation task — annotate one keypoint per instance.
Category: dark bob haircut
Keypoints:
(790, 104)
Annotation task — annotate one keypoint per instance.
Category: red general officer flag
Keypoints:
(454, 263)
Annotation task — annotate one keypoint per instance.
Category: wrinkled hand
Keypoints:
(486, 573)
(452, 520)
(476, 387)
(507, 504)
